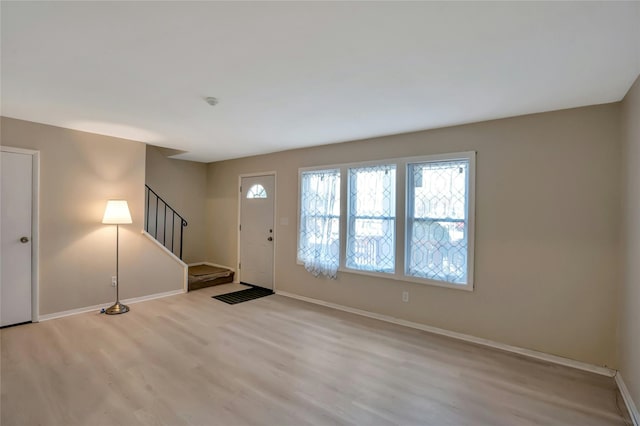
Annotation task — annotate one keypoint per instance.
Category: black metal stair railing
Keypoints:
(159, 217)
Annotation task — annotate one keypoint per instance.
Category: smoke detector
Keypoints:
(211, 100)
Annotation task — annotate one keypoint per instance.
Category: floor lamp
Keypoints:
(117, 213)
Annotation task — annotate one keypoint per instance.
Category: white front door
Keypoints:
(15, 216)
(257, 204)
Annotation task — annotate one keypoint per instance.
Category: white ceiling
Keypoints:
(297, 74)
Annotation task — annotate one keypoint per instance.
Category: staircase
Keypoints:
(166, 225)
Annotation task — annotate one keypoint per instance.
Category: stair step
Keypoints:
(201, 276)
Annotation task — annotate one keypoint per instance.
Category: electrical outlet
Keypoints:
(114, 281)
(405, 296)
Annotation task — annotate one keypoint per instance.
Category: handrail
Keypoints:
(174, 214)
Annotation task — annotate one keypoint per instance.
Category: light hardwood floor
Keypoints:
(192, 360)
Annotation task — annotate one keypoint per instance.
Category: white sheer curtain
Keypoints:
(319, 242)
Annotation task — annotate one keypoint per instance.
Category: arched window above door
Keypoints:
(257, 191)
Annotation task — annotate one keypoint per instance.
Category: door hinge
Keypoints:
(239, 265)
(241, 189)
(241, 227)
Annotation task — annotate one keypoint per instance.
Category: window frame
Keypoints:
(469, 214)
(350, 219)
(402, 207)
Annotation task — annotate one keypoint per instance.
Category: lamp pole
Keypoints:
(117, 213)
(117, 264)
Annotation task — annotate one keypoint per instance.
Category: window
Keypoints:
(408, 219)
(257, 191)
(372, 218)
(437, 226)
(319, 237)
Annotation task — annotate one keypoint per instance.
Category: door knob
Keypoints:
(270, 239)
(24, 240)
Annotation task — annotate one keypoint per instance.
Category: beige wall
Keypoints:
(183, 185)
(78, 173)
(547, 245)
(629, 332)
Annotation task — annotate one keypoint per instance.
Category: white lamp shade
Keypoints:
(117, 213)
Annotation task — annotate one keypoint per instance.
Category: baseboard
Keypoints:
(628, 401)
(460, 336)
(153, 296)
(97, 308)
(212, 264)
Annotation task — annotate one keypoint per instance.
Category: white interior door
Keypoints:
(15, 216)
(257, 204)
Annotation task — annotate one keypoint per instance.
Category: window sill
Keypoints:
(409, 279)
(404, 278)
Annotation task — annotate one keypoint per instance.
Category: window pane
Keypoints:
(437, 224)
(371, 226)
(257, 191)
(319, 240)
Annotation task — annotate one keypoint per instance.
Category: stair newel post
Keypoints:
(164, 225)
(173, 223)
(155, 230)
(146, 222)
(182, 225)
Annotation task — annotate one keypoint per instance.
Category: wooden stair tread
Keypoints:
(201, 276)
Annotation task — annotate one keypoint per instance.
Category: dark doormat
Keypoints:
(243, 295)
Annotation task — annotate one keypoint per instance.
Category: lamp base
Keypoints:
(118, 308)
